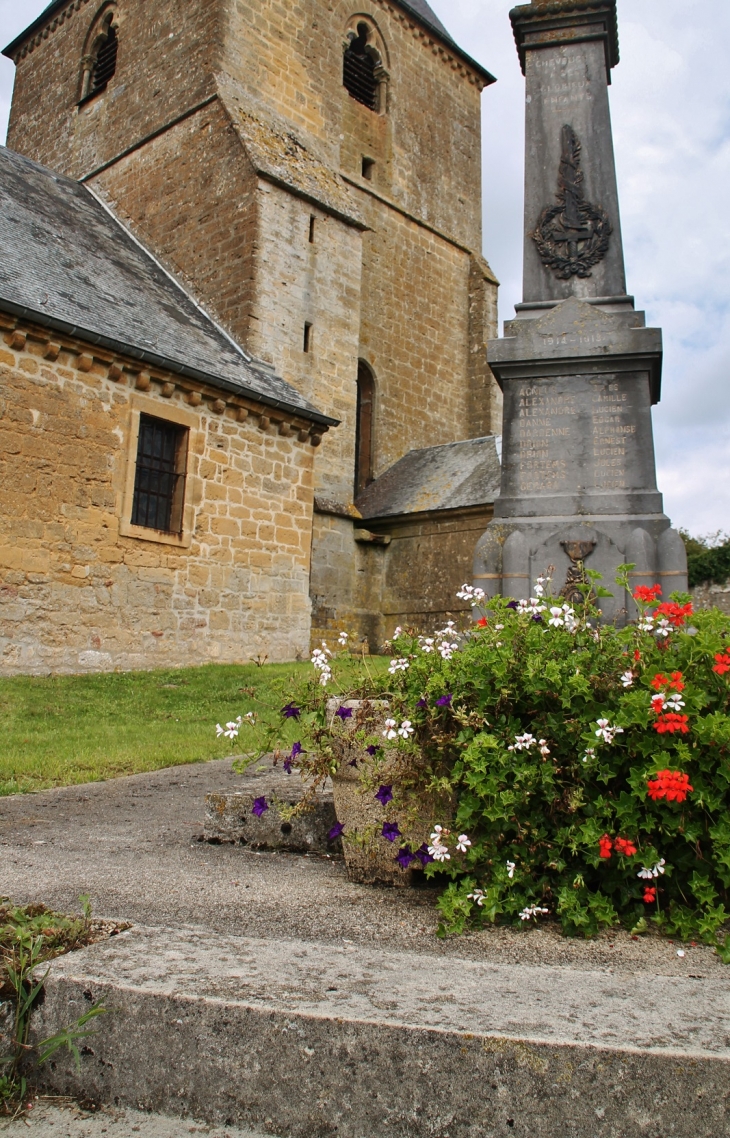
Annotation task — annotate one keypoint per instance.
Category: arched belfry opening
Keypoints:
(99, 62)
(364, 431)
(363, 73)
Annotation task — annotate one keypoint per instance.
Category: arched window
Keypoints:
(358, 69)
(100, 58)
(364, 434)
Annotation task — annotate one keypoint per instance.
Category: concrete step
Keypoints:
(308, 1040)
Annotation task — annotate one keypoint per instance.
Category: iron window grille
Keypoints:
(159, 482)
(358, 70)
(106, 61)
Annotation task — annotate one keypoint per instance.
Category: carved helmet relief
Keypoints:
(574, 234)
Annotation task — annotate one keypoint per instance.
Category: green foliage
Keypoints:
(30, 937)
(708, 558)
(542, 749)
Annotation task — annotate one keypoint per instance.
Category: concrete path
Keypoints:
(131, 843)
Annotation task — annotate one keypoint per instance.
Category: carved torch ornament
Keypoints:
(572, 235)
(577, 551)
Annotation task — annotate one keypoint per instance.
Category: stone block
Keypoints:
(229, 817)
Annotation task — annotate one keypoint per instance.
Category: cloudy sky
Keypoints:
(670, 101)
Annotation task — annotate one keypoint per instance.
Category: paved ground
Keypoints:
(49, 1119)
(132, 844)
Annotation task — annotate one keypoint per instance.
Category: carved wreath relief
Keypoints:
(574, 234)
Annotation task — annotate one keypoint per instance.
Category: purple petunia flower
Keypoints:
(295, 751)
(536, 616)
(404, 857)
(260, 806)
(336, 832)
(391, 831)
(344, 712)
(372, 749)
(291, 711)
(385, 795)
(512, 604)
(444, 700)
(352, 763)
(423, 855)
(423, 702)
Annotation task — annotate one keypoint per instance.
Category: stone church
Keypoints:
(244, 397)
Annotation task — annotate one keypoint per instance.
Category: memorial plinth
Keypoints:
(578, 368)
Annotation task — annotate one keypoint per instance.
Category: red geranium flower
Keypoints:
(672, 785)
(637, 655)
(646, 594)
(673, 682)
(722, 663)
(649, 894)
(671, 723)
(605, 845)
(482, 623)
(625, 847)
(674, 613)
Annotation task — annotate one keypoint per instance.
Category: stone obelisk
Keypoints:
(578, 368)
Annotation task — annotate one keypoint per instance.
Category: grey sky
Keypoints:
(670, 102)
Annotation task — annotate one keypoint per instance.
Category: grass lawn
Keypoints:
(60, 730)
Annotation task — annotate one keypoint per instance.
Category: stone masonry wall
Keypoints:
(82, 590)
(165, 63)
(191, 196)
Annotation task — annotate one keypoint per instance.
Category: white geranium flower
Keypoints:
(522, 742)
(462, 843)
(606, 731)
(511, 866)
(627, 679)
(230, 730)
(477, 895)
(532, 911)
(557, 619)
(398, 666)
(342, 639)
(426, 644)
(544, 749)
(405, 729)
(390, 731)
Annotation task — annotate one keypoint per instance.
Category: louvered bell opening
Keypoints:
(359, 77)
(106, 61)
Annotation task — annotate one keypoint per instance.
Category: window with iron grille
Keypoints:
(106, 61)
(358, 71)
(159, 483)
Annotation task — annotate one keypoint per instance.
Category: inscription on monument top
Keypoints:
(577, 433)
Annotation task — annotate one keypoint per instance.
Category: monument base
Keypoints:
(578, 475)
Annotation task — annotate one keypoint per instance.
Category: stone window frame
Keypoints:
(142, 405)
(97, 33)
(377, 48)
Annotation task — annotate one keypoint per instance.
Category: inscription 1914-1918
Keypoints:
(571, 436)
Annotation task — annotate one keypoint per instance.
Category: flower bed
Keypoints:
(551, 764)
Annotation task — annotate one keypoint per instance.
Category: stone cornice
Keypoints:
(547, 23)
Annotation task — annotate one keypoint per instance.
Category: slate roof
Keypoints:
(67, 263)
(418, 8)
(446, 477)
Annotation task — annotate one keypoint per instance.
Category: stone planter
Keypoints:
(229, 817)
(369, 857)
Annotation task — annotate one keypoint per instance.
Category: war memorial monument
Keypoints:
(578, 368)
